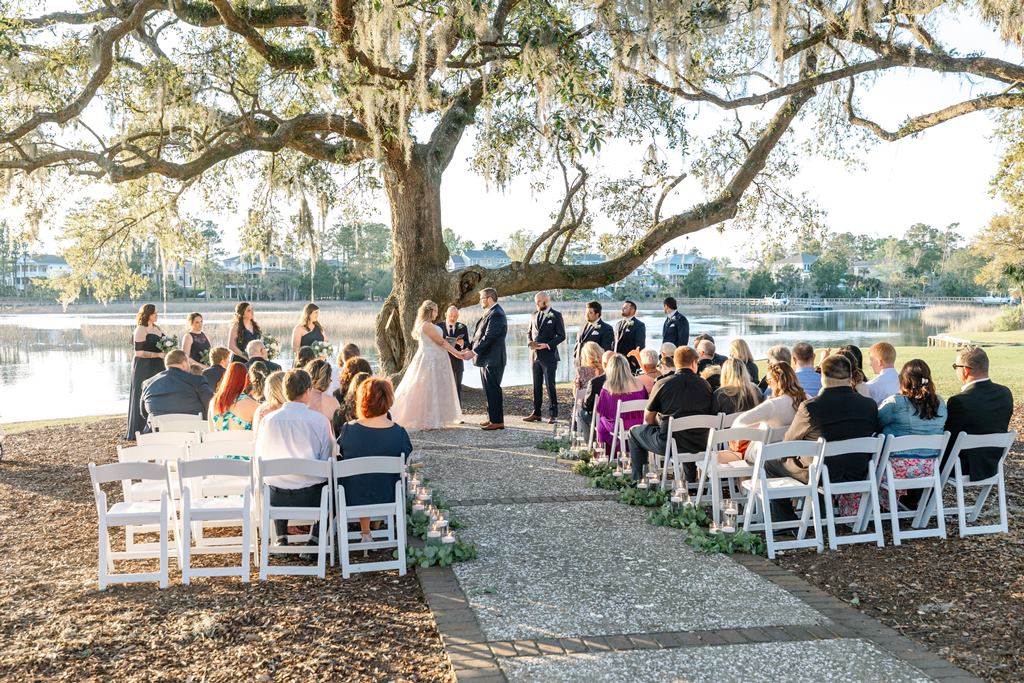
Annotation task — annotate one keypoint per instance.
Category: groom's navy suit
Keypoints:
(489, 346)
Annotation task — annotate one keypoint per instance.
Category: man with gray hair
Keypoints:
(257, 351)
(648, 369)
(456, 334)
(667, 366)
(175, 390)
(547, 331)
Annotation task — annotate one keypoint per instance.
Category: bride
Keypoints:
(427, 398)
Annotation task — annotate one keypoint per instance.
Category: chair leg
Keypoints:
(106, 565)
(186, 546)
(894, 512)
(246, 540)
(769, 536)
(163, 552)
(961, 507)
(937, 492)
(830, 520)
(876, 516)
(321, 559)
(816, 520)
(980, 503)
(267, 531)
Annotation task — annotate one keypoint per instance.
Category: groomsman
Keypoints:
(457, 335)
(630, 334)
(676, 329)
(547, 331)
(595, 330)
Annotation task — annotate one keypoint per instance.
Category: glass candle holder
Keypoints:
(713, 528)
(448, 538)
(642, 484)
(618, 472)
(729, 517)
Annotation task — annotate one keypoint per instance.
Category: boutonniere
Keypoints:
(548, 315)
(629, 325)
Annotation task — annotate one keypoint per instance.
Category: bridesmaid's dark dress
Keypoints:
(313, 335)
(247, 336)
(200, 343)
(142, 369)
(357, 441)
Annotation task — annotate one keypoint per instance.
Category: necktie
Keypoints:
(451, 330)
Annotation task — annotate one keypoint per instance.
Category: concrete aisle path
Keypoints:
(572, 586)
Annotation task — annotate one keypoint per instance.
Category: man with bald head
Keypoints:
(547, 331)
(457, 334)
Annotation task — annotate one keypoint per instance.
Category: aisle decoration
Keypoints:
(429, 518)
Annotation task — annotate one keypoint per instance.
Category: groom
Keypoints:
(488, 353)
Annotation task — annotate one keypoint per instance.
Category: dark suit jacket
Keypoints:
(676, 329)
(982, 408)
(489, 339)
(837, 414)
(461, 332)
(550, 330)
(594, 387)
(213, 375)
(602, 334)
(630, 338)
(271, 365)
(175, 391)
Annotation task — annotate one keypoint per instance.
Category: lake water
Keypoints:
(48, 369)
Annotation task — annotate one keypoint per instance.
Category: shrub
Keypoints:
(1009, 319)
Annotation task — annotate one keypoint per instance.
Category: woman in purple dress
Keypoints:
(620, 385)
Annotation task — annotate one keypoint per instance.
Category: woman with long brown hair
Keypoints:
(195, 342)
(148, 361)
(243, 330)
(351, 368)
(777, 411)
(309, 329)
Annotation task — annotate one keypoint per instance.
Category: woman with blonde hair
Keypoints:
(590, 365)
(736, 392)
(273, 391)
(619, 385)
(427, 397)
(777, 411)
(309, 329)
(739, 350)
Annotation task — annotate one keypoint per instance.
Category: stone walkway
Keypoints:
(572, 586)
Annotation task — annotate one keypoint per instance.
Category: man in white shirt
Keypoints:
(295, 431)
(887, 380)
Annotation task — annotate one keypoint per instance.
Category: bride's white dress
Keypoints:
(426, 397)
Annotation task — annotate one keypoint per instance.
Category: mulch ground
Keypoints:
(962, 598)
(57, 625)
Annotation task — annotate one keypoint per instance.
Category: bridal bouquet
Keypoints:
(168, 342)
(204, 357)
(322, 349)
(273, 346)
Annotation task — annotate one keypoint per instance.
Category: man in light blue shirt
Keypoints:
(803, 362)
(883, 363)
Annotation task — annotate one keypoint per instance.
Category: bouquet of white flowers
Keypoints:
(168, 342)
(322, 349)
(204, 357)
(273, 346)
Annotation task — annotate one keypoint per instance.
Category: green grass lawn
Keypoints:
(1015, 337)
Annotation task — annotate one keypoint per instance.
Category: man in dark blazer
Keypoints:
(457, 334)
(594, 330)
(630, 334)
(487, 351)
(676, 328)
(837, 413)
(219, 356)
(547, 331)
(981, 407)
(175, 390)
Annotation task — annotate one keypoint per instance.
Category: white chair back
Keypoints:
(178, 422)
(727, 420)
(675, 459)
(128, 470)
(158, 453)
(777, 434)
(210, 467)
(619, 432)
(932, 485)
(868, 508)
(166, 438)
(232, 435)
(375, 465)
(302, 466)
(393, 535)
(221, 449)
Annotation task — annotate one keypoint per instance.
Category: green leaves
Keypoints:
(645, 497)
(442, 555)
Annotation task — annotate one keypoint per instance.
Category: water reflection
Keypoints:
(49, 368)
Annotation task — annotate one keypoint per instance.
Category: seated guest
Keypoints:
(648, 369)
(886, 383)
(320, 373)
(257, 377)
(776, 354)
(348, 351)
(619, 385)
(739, 350)
(837, 413)
(273, 390)
(857, 379)
(232, 407)
(257, 351)
(347, 411)
(295, 431)
(372, 435)
(706, 360)
(218, 364)
(712, 374)
(981, 407)
(304, 356)
(175, 390)
(803, 363)
(352, 367)
(667, 367)
(777, 411)
(704, 336)
(916, 409)
(590, 365)
(681, 394)
(585, 411)
(736, 392)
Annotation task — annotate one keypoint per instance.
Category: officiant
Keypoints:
(547, 331)
(457, 334)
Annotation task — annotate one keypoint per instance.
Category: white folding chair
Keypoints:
(574, 426)
(148, 490)
(393, 513)
(932, 486)
(961, 482)
(715, 472)
(157, 513)
(673, 458)
(620, 434)
(324, 513)
(777, 434)
(728, 420)
(178, 422)
(166, 438)
(867, 488)
(762, 490)
(231, 435)
(216, 485)
(198, 506)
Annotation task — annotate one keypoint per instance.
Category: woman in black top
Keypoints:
(148, 361)
(736, 393)
(195, 343)
(308, 330)
(243, 330)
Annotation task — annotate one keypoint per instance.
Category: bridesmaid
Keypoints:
(195, 342)
(308, 330)
(243, 330)
(148, 361)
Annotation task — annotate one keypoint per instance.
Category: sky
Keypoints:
(940, 177)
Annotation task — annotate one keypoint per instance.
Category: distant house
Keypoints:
(253, 265)
(182, 273)
(486, 258)
(865, 268)
(801, 261)
(586, 259)
(27, 268)
(677, 266)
